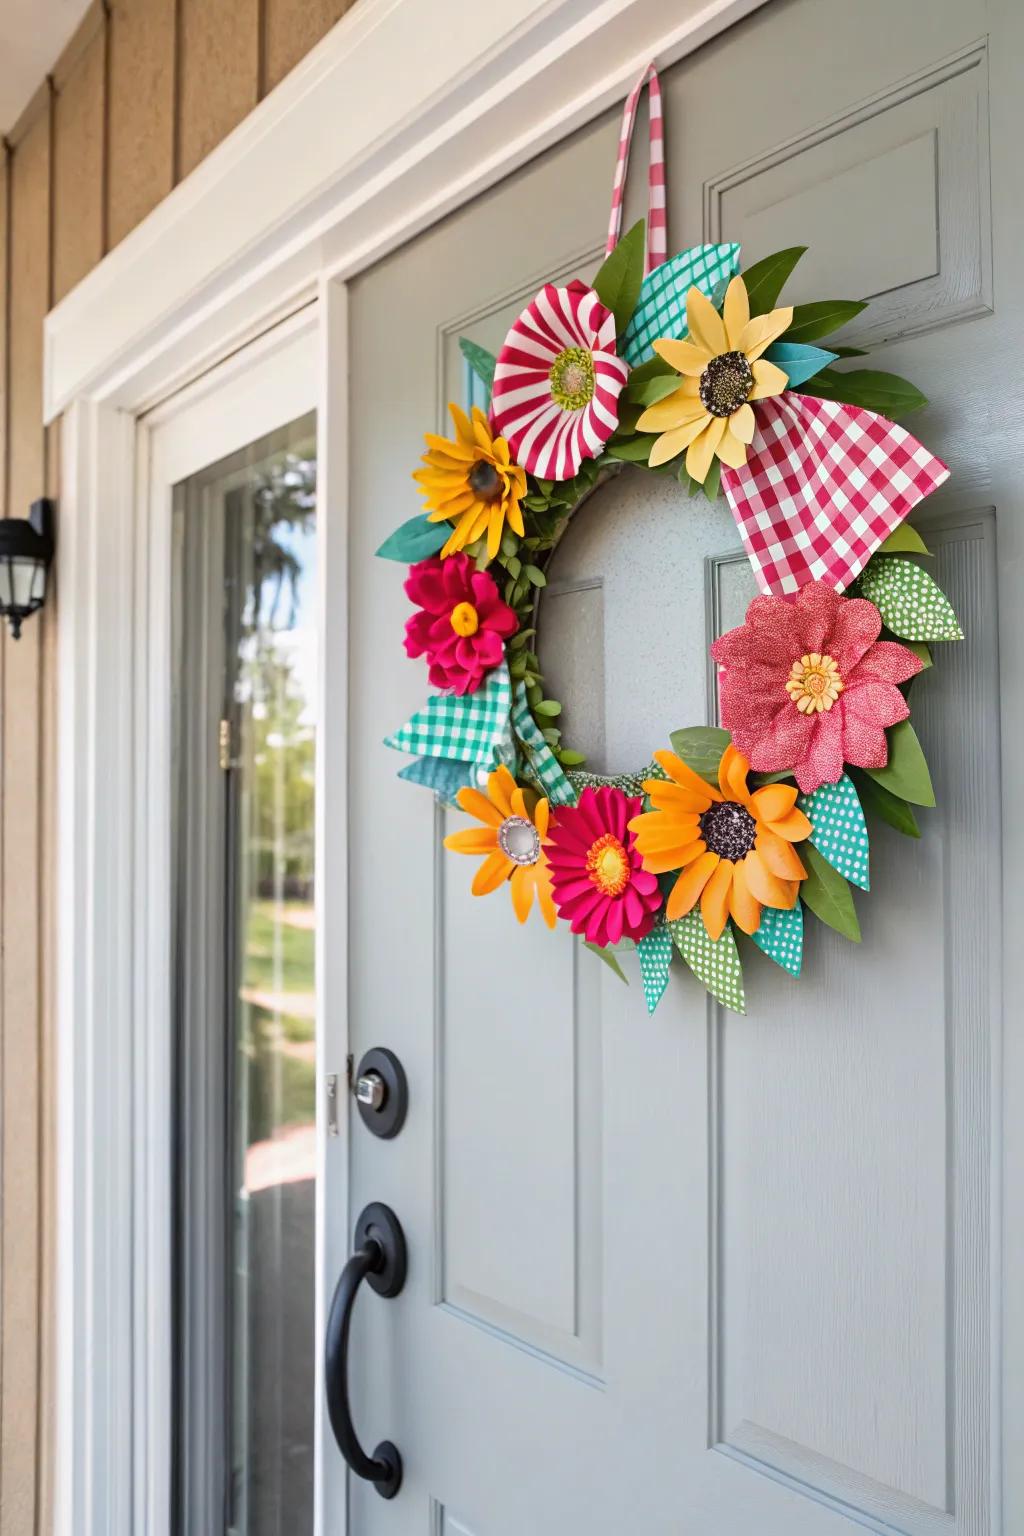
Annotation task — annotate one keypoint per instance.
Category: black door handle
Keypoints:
(379, 1259)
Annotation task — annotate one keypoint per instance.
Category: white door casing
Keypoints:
(256, 258)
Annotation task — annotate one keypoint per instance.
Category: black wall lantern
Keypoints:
(26, 549)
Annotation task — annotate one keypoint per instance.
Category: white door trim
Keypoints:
(402, 113)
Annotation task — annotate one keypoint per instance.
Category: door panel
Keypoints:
(694, 1273)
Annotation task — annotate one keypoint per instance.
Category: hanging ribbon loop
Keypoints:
(657, 233)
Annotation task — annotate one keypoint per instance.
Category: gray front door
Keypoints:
(698, 1273)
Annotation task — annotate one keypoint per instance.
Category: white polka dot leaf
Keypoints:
(911, 604)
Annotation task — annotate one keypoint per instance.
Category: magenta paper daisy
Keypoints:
(557, 382)
(598, 882)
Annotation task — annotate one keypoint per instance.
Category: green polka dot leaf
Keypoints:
(781, 937)
(840, 832)
(716, 964)
(655, 952)
(910, 603)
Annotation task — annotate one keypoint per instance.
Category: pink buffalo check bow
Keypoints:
(823, 486)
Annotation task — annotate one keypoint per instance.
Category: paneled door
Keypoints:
(699, 1273)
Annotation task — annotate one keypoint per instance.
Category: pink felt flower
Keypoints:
(598, 882)
(806, 684)
(557, 382)
(462, 625)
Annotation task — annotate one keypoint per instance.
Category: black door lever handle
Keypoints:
(379, 1258)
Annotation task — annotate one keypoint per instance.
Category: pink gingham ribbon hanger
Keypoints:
(657, 233)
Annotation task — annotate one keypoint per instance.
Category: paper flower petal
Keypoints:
(471, 729)
(781, 937)
(661, 307)
(839, 832)
(550, 778)
(910, 603)
(824, 484)
(655, 952)
(715, 963)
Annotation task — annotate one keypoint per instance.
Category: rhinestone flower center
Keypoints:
(729, 830)
(519, 840)
(465, 620)
(572, 379)
(608, 865)
(814, 683)
(726, 383)
(484, 481)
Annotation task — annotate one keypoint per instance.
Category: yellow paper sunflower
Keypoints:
(471, 480)
(511, 841)
(723, 371)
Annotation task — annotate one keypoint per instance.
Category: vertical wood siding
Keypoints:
(144, 91)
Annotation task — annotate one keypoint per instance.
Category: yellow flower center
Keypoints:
(608, 865)
(572, 379)
(465, 620)
(814, 683)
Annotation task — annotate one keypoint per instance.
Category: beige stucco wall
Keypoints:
(144, 91)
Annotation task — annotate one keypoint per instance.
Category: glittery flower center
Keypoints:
(814, 683)
(729, 830)
(726, 383)
(465, 620)
(608, 865)
(519, 840)
(484, 481)
(572, 379)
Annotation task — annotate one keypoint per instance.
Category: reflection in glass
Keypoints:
(245, 741)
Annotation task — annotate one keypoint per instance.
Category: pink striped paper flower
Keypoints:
(557, 382)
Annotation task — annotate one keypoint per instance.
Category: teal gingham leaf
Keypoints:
(472, 729)
(781, 937)
(840, 832)
(716, 964)
(546, 770)
(661, 308)
(655, 952)
(444, 775)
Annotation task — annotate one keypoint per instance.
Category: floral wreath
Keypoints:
(691, 368)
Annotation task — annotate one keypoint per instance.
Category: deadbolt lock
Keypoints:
(381, 1092)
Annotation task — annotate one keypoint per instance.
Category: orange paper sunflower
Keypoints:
(471, 480)
(511, 841)
(734, 849)
(723, 370)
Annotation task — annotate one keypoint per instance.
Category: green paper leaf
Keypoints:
(841, 351)
(889, 807)
(813, 320)
(655, 368)
(920, 650)
(415, 540)
(571, 759)
(869, 388)
(701, 748)
(632, 450)
(480, 360)
(535, 577)
(712, 482)
(827, 894)
(910, 603)
(650, 391)
(906, 773)
(716, 965)
(618, 282)
(549, 708)
(766, 278)
(608, 957)
(904, 540)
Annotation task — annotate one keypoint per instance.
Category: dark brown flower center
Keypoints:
(484, 481)
(729, 830)
(725, 383)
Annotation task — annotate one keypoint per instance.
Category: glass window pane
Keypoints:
(245, 734)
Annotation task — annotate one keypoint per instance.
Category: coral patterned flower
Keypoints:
(722, 372)
(599, 885)
(512, 842)
(557, 381)
(462, 625)
(806, 684)
(735, 849)
(472, 480)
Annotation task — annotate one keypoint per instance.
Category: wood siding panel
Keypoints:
(29, 277)
(292, 28)
(218, 72)
(5, 186)
(140, 170)
(78, 212)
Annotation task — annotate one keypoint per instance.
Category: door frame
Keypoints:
(319, 182)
